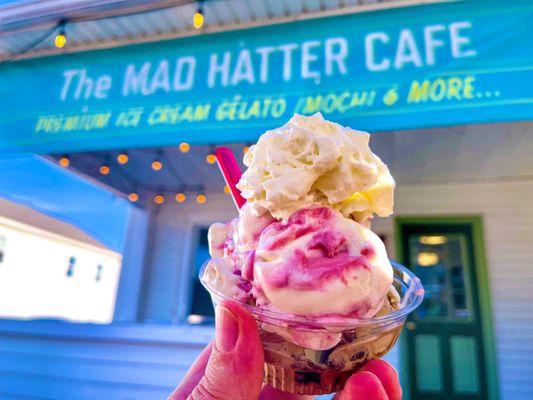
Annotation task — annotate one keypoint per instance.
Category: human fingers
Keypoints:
(362, 386)
(388, 377)
(235, 368)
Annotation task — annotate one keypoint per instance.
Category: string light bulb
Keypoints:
(64, 161)
(104, 169)
(159, 199)
(201, 198)
(245, 149)
(60, 39)
(133, 197)
(227, 190)
(184, 147)
(198, 18)
(157, 165)
(122, 158)
(211, 159)
(181, 197)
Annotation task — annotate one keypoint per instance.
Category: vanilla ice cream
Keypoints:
(310, 160)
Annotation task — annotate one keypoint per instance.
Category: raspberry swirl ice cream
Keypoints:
(320, 264)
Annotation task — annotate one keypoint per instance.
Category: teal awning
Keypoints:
(405, 68)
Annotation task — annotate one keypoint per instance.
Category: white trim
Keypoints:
(194, 220)
(24, 228)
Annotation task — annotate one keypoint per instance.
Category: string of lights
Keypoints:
(180, 196)
(158, 160)
(60, 38)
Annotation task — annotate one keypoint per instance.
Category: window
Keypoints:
(99, 270)
(2, 247)
(439, 261)
(71, 265)
(201, 310)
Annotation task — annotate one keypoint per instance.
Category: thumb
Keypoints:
(235, 369)
(362, 386)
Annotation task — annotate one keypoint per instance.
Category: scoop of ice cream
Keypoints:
(227, 280)
(217, 238)
(249, 227)
(310, 160)
(232, 248)
(319, 264)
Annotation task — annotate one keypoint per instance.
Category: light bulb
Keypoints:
(245, 149)
(227, 189)
(133, 197)
(181, 197)
(157, 165)
(64, 161)
(211, 159)
(123, 158)
(198, 19)
(60, 40)
(201, 199)
(184, 147)
(159, 199)
(105, 170)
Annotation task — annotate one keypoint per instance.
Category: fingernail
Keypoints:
(227, 330)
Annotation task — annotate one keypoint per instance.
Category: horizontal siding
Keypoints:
(15, 386)
(48, 368)
(507, 212)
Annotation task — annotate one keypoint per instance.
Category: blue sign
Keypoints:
(405, 68)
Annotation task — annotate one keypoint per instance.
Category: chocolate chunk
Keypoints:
(324, 355)
(349, 337)
(307, 377)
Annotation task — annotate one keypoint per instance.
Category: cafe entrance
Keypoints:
(447, 339)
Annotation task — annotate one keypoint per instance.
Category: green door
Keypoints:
(446, 351)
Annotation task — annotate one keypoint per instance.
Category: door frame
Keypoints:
(481, 274)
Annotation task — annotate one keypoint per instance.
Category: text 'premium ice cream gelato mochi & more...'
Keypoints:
(302, 259)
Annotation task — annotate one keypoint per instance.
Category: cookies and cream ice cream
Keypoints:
(301, 245)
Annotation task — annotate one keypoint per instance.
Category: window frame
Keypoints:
(197, 234)
(196, 221)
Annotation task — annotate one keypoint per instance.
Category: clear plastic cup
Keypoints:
(292, 367)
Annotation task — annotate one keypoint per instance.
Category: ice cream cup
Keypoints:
(292, 361)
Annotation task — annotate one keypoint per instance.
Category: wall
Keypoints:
(506, 209)
(171, 258)
(33, 281)
(87, 362)
(482, 170)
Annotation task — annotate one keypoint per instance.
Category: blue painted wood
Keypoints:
(132, 271)
(108, 372)
(37, 386)
(157, 355)
(33, 366)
